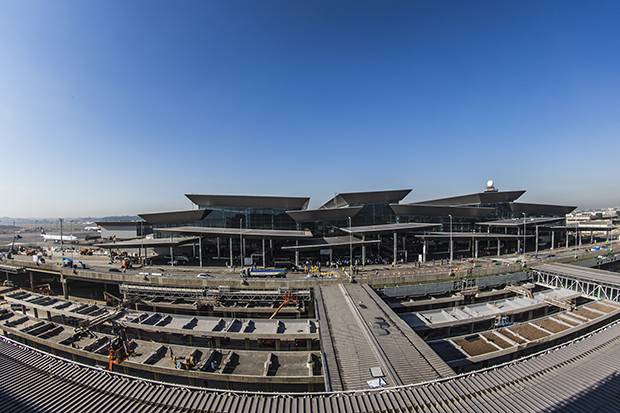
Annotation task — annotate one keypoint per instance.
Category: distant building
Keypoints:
(376, 225)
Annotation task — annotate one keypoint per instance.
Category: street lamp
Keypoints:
(241, 252)
(451, 245)
(524, 220)
(350, 248)
(61, 242)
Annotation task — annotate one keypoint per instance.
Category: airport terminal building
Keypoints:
(372, 227)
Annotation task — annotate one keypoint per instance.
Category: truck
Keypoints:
(263, 272)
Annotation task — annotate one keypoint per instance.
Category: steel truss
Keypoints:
(590, 289)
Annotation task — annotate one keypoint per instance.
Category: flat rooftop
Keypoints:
(473, 312)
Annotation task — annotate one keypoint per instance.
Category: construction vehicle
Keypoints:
(125, 264)
(287, 298)
(119, 347)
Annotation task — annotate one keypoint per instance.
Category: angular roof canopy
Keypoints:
(398, 227)
(175, 217)
(108, 224)
(249, 201)
(246, 232)
(149, 242)
(470, 235)
(519, 222)
(487, 197)
(346, 199)
(324, 214)
(541, 209)
(429, 210)
(328, 242)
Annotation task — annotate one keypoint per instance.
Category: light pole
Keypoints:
(350, 248)
(451, 245)
(524, 219)
(61, 243)
(142, 242)
(241, 241)
(576, 236)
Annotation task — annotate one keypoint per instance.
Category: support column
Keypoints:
(230, 251)
(31, 280)
(243, 253)
(591, 237)
(566, 238)
(579, 237)
(488, 240)
(194, 249)
(200, 250)
(395, 249)
(518, 240)
(264, 264)
(536, 239)
(476, 249)
(405, 247)
(552, 239)
(217, 243)
(297, 254)
(499, 247)
(424, 250)
(363, 251)
(65, 287)
(171, 256)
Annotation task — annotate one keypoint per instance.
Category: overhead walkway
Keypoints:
(365, 334)
(591, 282)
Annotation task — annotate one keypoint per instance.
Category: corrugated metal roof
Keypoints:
(365, 333)
(581, 375)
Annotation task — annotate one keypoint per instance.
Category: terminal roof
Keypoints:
(370, 197)
(408, 226)
(585, 227)
(175, 217)
(470, 235)
(149, 242)
(106, 224)
(328, 242)
(246, 232)
(477, 199)
(518, 222)
(540, 209)
(429, 210)
(324, 214)
(249, 201)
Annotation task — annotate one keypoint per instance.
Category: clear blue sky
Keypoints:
(115, 107)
